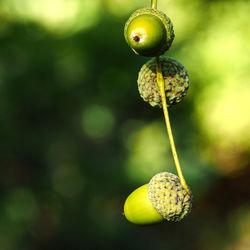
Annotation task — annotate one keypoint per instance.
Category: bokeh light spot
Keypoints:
(59, 16)
(149, 153)
(123, 7)
(21, 205)
(67, 180)
(97, 121)
(227, 119)
(239, 222)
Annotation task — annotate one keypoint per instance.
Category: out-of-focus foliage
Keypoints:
(76, 138)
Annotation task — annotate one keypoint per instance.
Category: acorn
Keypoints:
(175, 78)
(163, 198)
(149, 32)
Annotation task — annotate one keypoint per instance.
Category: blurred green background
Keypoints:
(76, 138)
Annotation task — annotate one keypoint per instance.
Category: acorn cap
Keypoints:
(175, 78)
(169, 197)
(158, 31)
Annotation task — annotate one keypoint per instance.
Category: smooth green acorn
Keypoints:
(138, 208)
(149, 32)
(163, 198)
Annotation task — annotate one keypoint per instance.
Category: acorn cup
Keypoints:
(149, 32)
(163, 198)
(176, 81)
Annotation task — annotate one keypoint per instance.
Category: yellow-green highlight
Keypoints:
(154, 4)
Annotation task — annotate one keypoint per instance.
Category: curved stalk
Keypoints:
(161, 85)
(154, 4)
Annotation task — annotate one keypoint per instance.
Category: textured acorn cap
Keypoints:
(169, 28)
(169, 197)
(175, 78)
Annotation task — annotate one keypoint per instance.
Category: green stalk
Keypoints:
(154, 4)
(161, 85)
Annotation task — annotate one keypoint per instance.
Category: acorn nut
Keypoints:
(163, 198)
(175, 78)
(149, 32)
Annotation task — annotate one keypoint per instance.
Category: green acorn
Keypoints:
(149, 32)
(175, 78)
(164, 198)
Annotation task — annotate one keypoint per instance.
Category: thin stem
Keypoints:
(161, 85)
(154, 4)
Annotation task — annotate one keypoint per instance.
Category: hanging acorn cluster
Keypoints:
(149, 32)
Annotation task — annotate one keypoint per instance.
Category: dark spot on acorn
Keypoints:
(136, 38)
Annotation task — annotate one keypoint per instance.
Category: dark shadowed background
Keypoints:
(76, 138)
